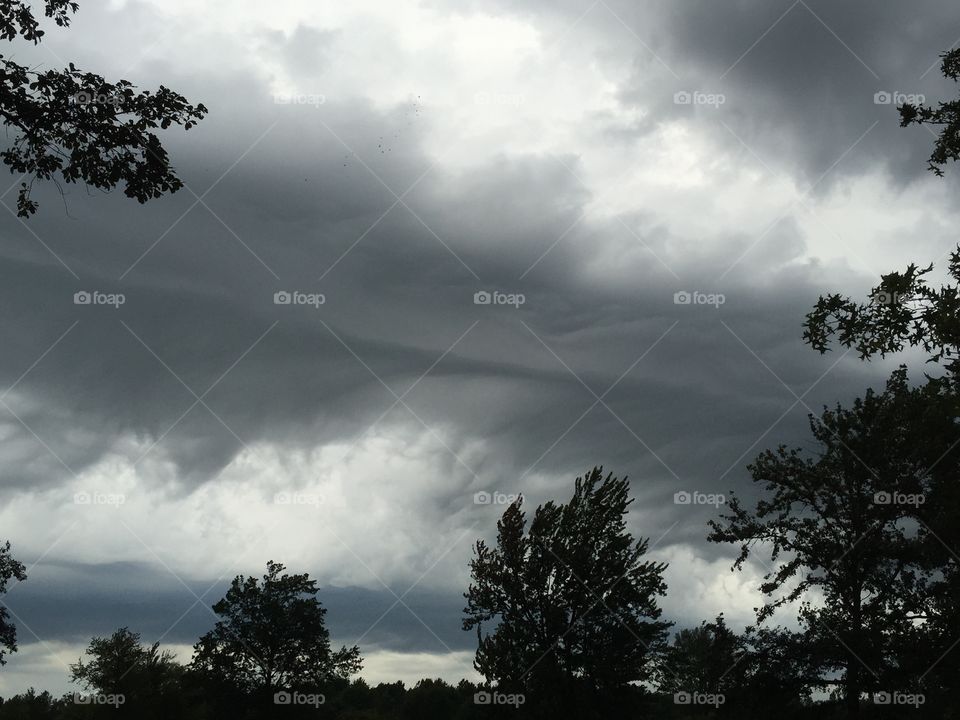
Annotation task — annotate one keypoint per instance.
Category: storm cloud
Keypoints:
(430, 252)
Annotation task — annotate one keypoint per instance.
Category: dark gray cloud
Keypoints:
(798, 77)
(198, 300)
(304, 197)
(163, 607)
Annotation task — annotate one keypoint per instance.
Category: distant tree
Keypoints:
(780, 673)
(387, 699)
(10, 569)
(704, 659)
(837, 525)
(148, 678)
(112, 660)
(31, 705)
(272, 636)
(572, 604)
(946, 115)
(431, 700)
(746, 673)
(353, 700)
(78, 126)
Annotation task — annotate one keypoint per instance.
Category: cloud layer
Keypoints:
(394, 163)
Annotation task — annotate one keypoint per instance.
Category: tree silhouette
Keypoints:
(946, 115)
(704, 659)
(146, 677)
(78, 126)
(903, 311)
(431, 700)
(752, 672)
(10, 569)
(573, 604)
(906, 311)
(272, 636)
(32, 705)
(837, 525)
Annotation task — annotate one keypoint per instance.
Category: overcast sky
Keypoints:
(588, 161)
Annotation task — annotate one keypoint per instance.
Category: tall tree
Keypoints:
(906, 311)
(76, 125)
(10, 569)
(272, 636)
(836, 526)
(572, 601)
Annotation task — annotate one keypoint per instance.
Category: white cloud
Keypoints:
(382, 666)
(350, 515)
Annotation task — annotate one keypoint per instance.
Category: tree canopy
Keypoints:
(79, 127)
(847, 534)
(946, 116)
(572, 603)
(272, 635)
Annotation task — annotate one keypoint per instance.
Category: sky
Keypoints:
(429, 256)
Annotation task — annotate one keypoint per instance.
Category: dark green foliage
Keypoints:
(911, 313)
(272, 637)
(148, 679)
(78, 126)
(852, 525)
(572, 604)
(32, 705)
(10, 569)
(760, 669)
(903, 311)
(946, 116)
